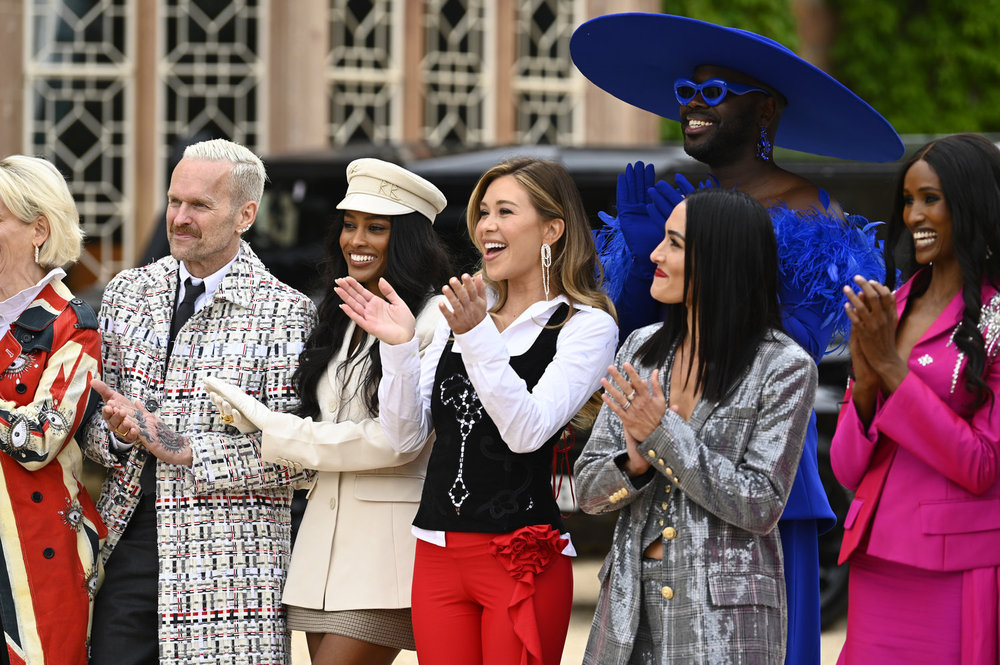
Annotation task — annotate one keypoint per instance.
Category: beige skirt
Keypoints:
(387, 628)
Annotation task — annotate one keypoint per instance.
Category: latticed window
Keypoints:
(78, 74)
(211, 67)
(545, 82)
(365, 71)
(457, 67)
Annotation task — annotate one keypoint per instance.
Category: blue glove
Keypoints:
(664, 197)
(641, 232)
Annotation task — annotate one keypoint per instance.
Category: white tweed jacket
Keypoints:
(223, 525)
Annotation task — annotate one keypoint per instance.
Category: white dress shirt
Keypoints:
(526, 419)
(13, 307)
(584, 348)
(212, 283)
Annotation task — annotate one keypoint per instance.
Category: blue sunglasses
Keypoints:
(713, 91)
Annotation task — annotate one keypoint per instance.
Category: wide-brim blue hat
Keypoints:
(637, 57)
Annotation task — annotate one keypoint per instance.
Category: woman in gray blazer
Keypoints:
(700, 464)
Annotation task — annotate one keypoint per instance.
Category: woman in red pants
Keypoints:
(521, 351)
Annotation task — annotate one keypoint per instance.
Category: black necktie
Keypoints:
(186, 308)
(147, 480)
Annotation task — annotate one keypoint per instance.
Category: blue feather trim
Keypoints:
(819, 252)
(613, 254)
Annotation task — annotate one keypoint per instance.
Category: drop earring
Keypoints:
(764, 146)
(546, 264)
(36, 253)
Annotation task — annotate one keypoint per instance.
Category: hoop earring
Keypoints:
(36, 253)
(764, 146)
(546, 264)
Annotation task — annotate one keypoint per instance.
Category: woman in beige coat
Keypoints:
(352, 565)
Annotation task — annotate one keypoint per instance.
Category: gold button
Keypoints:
(667, 489)
(669, 472)
(612, 498)
(667, 592)
(652, 453)
(663, 505)
(660, 462)
(670, 533)
(661, 522)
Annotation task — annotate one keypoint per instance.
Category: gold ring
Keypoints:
(630, 396)
(227, 419)
(119, 432)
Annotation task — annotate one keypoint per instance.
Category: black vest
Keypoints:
(502, 490)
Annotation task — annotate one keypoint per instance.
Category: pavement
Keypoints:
(585, 589)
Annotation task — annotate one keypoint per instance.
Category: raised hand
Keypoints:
(664, 197)
(466, 305)
(639, 403)
(389, 319)
(872, 312)
(153, 434)
(641, 231)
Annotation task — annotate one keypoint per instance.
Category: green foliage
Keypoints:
(931, 66)
(771, 18)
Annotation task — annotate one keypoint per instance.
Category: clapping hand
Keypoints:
(664, 197)
(641, 232)
(389, 319)
(876, 362)
(640, 404)
(466, 306)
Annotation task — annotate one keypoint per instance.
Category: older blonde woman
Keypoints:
(50, 533)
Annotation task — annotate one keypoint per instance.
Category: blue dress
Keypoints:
(818, 253)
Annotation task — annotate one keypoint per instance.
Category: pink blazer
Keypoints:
(925, 470)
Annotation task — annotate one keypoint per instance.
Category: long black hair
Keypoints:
(968, 166)
(416, 264)
(731, 281)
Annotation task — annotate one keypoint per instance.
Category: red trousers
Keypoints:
(461, 595)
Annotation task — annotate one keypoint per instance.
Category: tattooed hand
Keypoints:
(151, 432)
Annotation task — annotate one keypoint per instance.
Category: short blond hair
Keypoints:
(246, 180)
(31, 187)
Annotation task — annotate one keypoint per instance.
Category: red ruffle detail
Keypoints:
(525, 553)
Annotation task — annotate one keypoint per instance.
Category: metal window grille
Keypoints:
(546, 84)
(457, 67)
(364, 68)
(212, 71)
(78, 101)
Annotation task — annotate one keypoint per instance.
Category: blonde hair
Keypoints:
(31, 187)
(246, 180)
(575, 271)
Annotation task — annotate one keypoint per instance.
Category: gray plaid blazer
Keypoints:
(720, 484)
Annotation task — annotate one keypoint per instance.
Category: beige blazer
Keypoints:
(354, 549)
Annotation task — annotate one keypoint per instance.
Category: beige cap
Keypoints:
(383, 188)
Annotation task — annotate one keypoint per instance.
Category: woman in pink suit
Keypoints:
(919, 432)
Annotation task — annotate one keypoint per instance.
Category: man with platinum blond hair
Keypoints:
(199, 525)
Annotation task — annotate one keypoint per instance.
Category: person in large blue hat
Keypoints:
(736, 95)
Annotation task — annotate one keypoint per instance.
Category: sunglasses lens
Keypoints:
(685, 93)
(713, 94)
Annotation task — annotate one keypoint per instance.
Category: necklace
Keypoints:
(457, 392)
